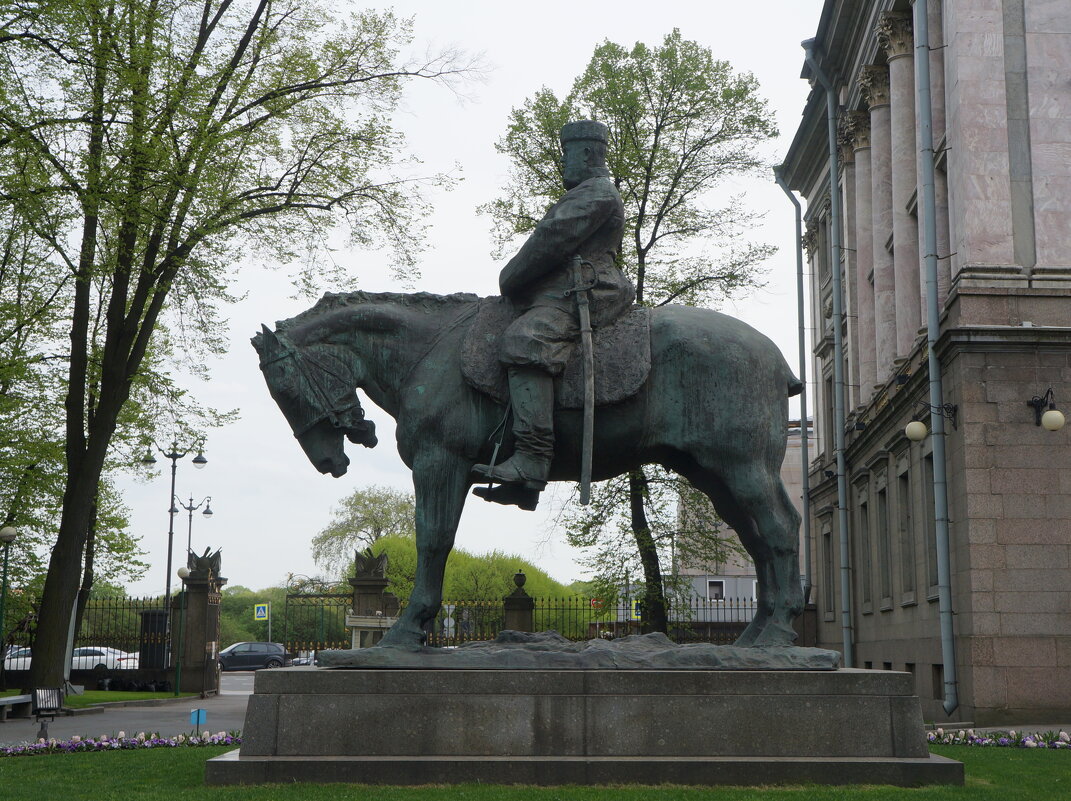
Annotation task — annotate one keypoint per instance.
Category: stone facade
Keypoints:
(1001, 106)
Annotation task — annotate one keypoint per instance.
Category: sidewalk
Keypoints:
(225, 712)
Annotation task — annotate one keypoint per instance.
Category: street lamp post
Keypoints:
(7, 536)
(174, 455)
(191, 508)
(183, 573)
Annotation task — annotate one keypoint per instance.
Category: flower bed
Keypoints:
(77, 745)
(1000, 739)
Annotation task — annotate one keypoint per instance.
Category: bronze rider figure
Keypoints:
(588, 221)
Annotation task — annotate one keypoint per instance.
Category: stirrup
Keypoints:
(510, 495)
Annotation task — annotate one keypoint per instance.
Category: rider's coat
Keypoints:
(589, 221)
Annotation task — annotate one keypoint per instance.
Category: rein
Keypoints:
(325, 402)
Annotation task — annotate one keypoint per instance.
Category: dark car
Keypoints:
(253, 656)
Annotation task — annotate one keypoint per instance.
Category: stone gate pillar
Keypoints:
(195, 628)
(374, 609)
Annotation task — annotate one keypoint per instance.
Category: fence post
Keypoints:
(519, 606)
(199, 648)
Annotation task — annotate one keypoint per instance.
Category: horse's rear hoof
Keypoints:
(509, 495)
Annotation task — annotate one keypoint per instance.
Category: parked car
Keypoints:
(253, 656)
(97, 657)
(91, 657)
(17, 658)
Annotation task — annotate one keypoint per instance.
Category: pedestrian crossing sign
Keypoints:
(260, 611)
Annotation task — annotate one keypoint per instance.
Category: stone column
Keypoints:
(846, 264)
(874, 81)
(858, 125)
(894, 35)
(979, 172)
(937, 101)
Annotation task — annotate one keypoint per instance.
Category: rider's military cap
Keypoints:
(585, 130)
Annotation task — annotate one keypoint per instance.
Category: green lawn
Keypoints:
(91, 697)
(993, 774)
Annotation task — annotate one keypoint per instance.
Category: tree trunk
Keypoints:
(653, 615)
(87, 572)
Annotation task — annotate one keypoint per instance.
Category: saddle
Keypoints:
(622, 357)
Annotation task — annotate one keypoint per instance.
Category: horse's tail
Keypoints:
(795, 386)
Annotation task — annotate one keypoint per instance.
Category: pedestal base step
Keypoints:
(231, 768)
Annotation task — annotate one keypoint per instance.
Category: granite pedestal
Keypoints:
(550, 727)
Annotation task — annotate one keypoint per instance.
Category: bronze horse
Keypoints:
(714, 409)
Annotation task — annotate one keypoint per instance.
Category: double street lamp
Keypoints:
(174, 455)
(206, 502)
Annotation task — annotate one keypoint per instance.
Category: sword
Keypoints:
(580, 289)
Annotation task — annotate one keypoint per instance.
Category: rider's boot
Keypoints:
(532, 395)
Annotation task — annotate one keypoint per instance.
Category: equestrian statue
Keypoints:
(594, 387)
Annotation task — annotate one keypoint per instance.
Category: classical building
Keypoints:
(999, 88)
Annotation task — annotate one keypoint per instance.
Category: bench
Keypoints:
(18, 706)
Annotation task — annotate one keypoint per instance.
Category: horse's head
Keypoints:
(315, 390)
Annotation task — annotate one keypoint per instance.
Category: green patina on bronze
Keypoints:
(714, 407)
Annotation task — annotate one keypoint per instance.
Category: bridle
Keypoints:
(340, 416)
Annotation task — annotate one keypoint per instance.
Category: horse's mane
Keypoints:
(332, 301)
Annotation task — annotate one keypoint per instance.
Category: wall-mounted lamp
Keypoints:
(1052, 419)
(916, 430)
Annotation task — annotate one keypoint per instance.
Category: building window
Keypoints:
(827, 428)
(938, 676)
(827, 579)
(884, 548)
(715, 590)
(930, 529)
(864, 552)
(907, 537)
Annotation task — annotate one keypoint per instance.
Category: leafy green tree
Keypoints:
(681, 124)
(468, 576)
(360, 520)
(236, 623)
(154, 142)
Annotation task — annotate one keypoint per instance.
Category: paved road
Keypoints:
(226, 712)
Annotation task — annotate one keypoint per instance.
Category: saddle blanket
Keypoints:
(622, 357)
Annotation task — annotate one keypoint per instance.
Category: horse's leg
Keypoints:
(744, 527)
(440, 481)
(761, 496)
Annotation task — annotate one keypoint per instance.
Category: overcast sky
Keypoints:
(268, 500)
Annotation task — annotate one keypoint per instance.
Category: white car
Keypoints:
(17, 658)
(98, 657)
(93, 657)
